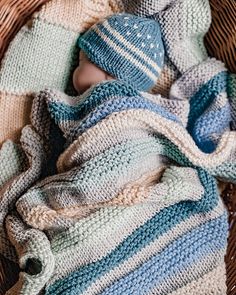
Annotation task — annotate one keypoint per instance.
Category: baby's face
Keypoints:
(87, 74)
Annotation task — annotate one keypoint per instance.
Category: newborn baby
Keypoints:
(124, 47)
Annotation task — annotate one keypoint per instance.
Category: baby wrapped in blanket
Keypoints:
(134, 208)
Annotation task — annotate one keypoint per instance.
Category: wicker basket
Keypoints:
(13, 14)
(221, 38)
(229, 196)
(220, 42)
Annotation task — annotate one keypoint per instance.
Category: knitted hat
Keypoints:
(127, 47)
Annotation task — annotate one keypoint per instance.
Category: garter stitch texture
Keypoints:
(145, 7)
(43, 54)
(232, 98)
(182, 33)
(12, 161)
(127, 47)
(129, 205)
(133, 172)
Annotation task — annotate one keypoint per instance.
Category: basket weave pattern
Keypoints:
(221, 38)
(13, 14)
(230, 199)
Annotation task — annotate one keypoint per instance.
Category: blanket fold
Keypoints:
(132, 187)
(115, 191)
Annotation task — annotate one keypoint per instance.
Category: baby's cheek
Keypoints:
(81, 79)
(87, 75)
(77, 79)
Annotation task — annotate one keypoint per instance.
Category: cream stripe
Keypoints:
(125, 54)
(171, 130)
(77, 152)
(98, 243)
(94, 233)
(145, 253)
(119, 220)
(190, 83)
(131, 46)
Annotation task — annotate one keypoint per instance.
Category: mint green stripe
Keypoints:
(11, 161)
(39, 57)
(162, 222)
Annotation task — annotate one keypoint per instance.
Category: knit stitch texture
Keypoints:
(115, 191)
(44, 54)
(132, 42)
(144, 182)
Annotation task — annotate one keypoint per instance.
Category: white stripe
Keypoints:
(125, 54)
(131, 46)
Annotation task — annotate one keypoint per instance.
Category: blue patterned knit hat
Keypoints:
(127, 47)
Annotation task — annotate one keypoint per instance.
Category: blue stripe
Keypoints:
(162, 222)
(103, 49)
(106, 109)
(101, 93)
(119, 105)
(176, 257)
(132, 52)
(217, 122)
(205, 97)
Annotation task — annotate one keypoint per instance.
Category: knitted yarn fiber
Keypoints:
(182, 34)
(132, 172)
(145, 7)
(43, 54)
(232, 98)
(133, 207)
(127, 47)
(210, 114)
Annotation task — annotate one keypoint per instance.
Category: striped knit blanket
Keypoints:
(132, 206)
(115, 191)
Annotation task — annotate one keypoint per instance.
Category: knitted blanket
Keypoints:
(134, 205)
(115, 191)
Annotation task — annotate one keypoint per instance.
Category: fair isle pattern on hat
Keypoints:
(128, 47)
